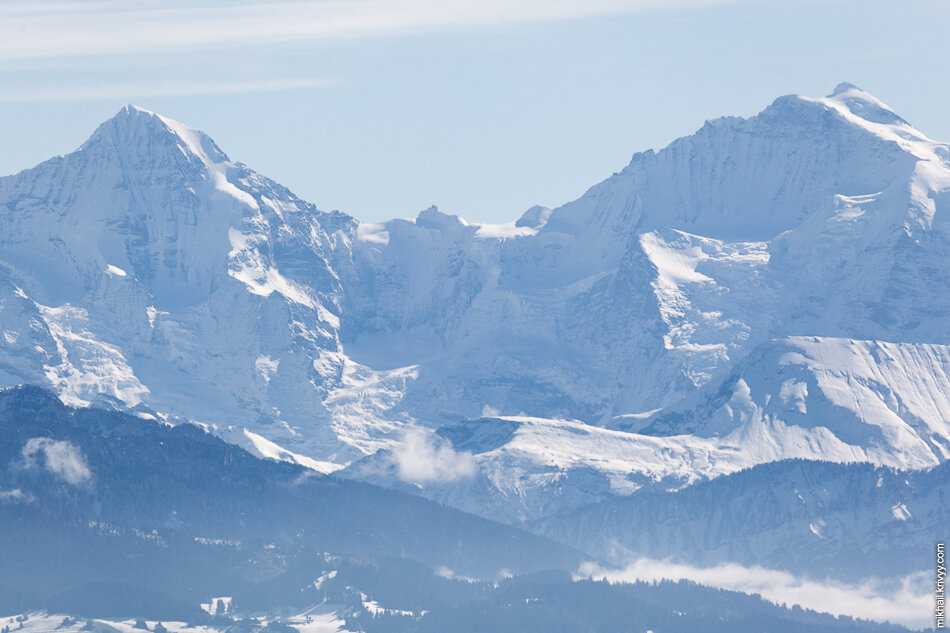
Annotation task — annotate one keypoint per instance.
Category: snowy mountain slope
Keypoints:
(843, 235)
(843, 400)
(809, 219)
(157, 272)
(524, 468)
(752, 179)
(797, 398)
(148, 271)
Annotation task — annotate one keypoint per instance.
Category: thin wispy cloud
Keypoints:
(50, 30)
(95, 92)
(907, 600)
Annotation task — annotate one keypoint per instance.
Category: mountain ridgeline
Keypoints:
(694, 343)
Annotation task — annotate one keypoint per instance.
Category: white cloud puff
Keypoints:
(61, 459)
(423, 456)
(15, 496)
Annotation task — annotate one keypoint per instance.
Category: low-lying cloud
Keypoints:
(447, 573)
(907, 601)
(422, 457)
(61, 459)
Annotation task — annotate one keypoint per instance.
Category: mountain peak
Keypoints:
(434, 219)
(133, 128)
(863, 104)
(132, 116)
(131, 108)
(535, 217)
(844, 86)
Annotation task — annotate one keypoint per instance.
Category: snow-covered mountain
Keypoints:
(766, 288)
(146, 268)
(799, 397)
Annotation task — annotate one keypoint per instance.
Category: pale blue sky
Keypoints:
(381, 108)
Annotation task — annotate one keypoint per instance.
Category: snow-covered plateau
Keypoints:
(768, 288)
